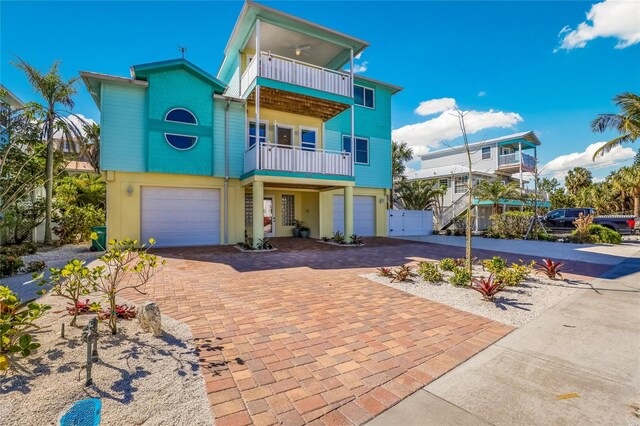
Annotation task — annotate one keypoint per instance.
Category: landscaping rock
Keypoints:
(150, 318)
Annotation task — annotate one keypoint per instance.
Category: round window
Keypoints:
(180, 141)
(181, 115)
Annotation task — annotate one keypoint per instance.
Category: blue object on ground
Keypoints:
(83, 413)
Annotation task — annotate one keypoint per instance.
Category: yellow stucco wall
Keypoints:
(326, 209)
(123, 206)
(289, 120)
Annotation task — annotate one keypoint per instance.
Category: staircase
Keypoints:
(452, 212)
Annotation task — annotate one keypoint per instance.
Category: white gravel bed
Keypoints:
(140, 379)
(514, 306)
(63, 253)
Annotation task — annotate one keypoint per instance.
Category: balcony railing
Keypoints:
(287, 158)
(514, 159)
(295, 72)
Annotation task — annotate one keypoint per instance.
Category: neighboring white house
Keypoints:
(500, 158)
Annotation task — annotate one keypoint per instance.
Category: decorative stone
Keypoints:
(150, 318)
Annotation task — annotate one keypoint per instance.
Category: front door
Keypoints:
(269, 219)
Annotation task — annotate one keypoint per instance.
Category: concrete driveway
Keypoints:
(280, 342)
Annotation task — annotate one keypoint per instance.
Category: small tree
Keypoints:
(460, 114)
(71, 282)
(125, 265)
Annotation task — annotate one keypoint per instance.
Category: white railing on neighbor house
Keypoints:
(286, 158)
(295, 72)
(515, 158)
(454, 210)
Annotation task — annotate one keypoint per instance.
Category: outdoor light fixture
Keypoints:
(130, 190)
(298, 51)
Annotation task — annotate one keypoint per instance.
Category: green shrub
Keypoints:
(19, 249)
(82, 190)
(447, 264)
(596, 234)
(21, 218)
(604, 235)
(509, 225)
(35, 266)
(73, 223)
(494, 265)
(429, 272)
(10, 264)
(16, 320)
(461, 277)
(515, 274)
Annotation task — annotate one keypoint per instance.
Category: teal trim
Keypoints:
(266, 82)
(525, 143)
(509, 203)
(296, 175)
(143, 70)
(179, 128)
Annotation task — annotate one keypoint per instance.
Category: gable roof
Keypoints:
(9, 98)
(140, 72)
(94, 80)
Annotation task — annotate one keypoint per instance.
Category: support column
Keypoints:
(258, 212)
(353, 119)
(521, 160)
(348, 212)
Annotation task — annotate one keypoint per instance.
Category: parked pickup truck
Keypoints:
(562, 220)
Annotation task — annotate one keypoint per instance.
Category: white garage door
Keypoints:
(180, 216)
(364, 215)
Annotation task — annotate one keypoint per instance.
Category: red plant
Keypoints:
(488, 287)
(384, 272)
(81, 307)
(550, 268)
(122, 311)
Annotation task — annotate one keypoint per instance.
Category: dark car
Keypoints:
(562, 220)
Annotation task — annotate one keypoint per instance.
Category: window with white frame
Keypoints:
(288, 210)
(444, 182)
(486, 152)
(461, 184)
(363, 96)
(361, 154)
(252, 133)
(308, 138)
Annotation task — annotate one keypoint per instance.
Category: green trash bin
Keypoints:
(100, 243)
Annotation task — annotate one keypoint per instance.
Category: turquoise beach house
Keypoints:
(281, 133)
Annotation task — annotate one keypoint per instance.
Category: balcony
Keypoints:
(285, 158)
(511, 162)
(291, 71)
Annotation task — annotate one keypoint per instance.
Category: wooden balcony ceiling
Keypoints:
(296, 103)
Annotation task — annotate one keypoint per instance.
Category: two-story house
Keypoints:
(501, 158)
(8, 102)
(281, 134)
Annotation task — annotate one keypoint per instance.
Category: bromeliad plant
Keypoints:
(550, 268)
(429, 272)
(83, 307)
(125, 312)
(338, 237)
(488, 287)
(16, 320)
(384, 272)
(401, 274)
(356, 240)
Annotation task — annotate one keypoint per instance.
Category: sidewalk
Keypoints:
(587, 345)
(604, 254)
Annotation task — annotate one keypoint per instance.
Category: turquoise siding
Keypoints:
(180, 89)
(122, 132)
(237, 129)
(374, 124)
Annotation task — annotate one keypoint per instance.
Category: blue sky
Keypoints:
(505, 61)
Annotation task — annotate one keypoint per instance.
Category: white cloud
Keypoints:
(482, 93)
(358, 68)
(358, 56)
(611, 18)
(559, 166)
(435, 106)
(431, 133)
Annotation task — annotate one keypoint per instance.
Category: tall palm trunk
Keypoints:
(49, 182)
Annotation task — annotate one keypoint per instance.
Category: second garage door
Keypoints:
(177, 217)
(364, 215)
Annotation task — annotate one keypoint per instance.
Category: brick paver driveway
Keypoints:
(296, 336)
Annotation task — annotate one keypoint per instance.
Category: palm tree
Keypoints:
(90, 144)
(420, 194)
(56, 93)
(496, 192)
(577, 178)
(630, 180)
(627, 124)
(400, 154)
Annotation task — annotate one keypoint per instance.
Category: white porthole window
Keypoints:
(181, 115)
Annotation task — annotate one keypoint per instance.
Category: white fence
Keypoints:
(403, 223)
